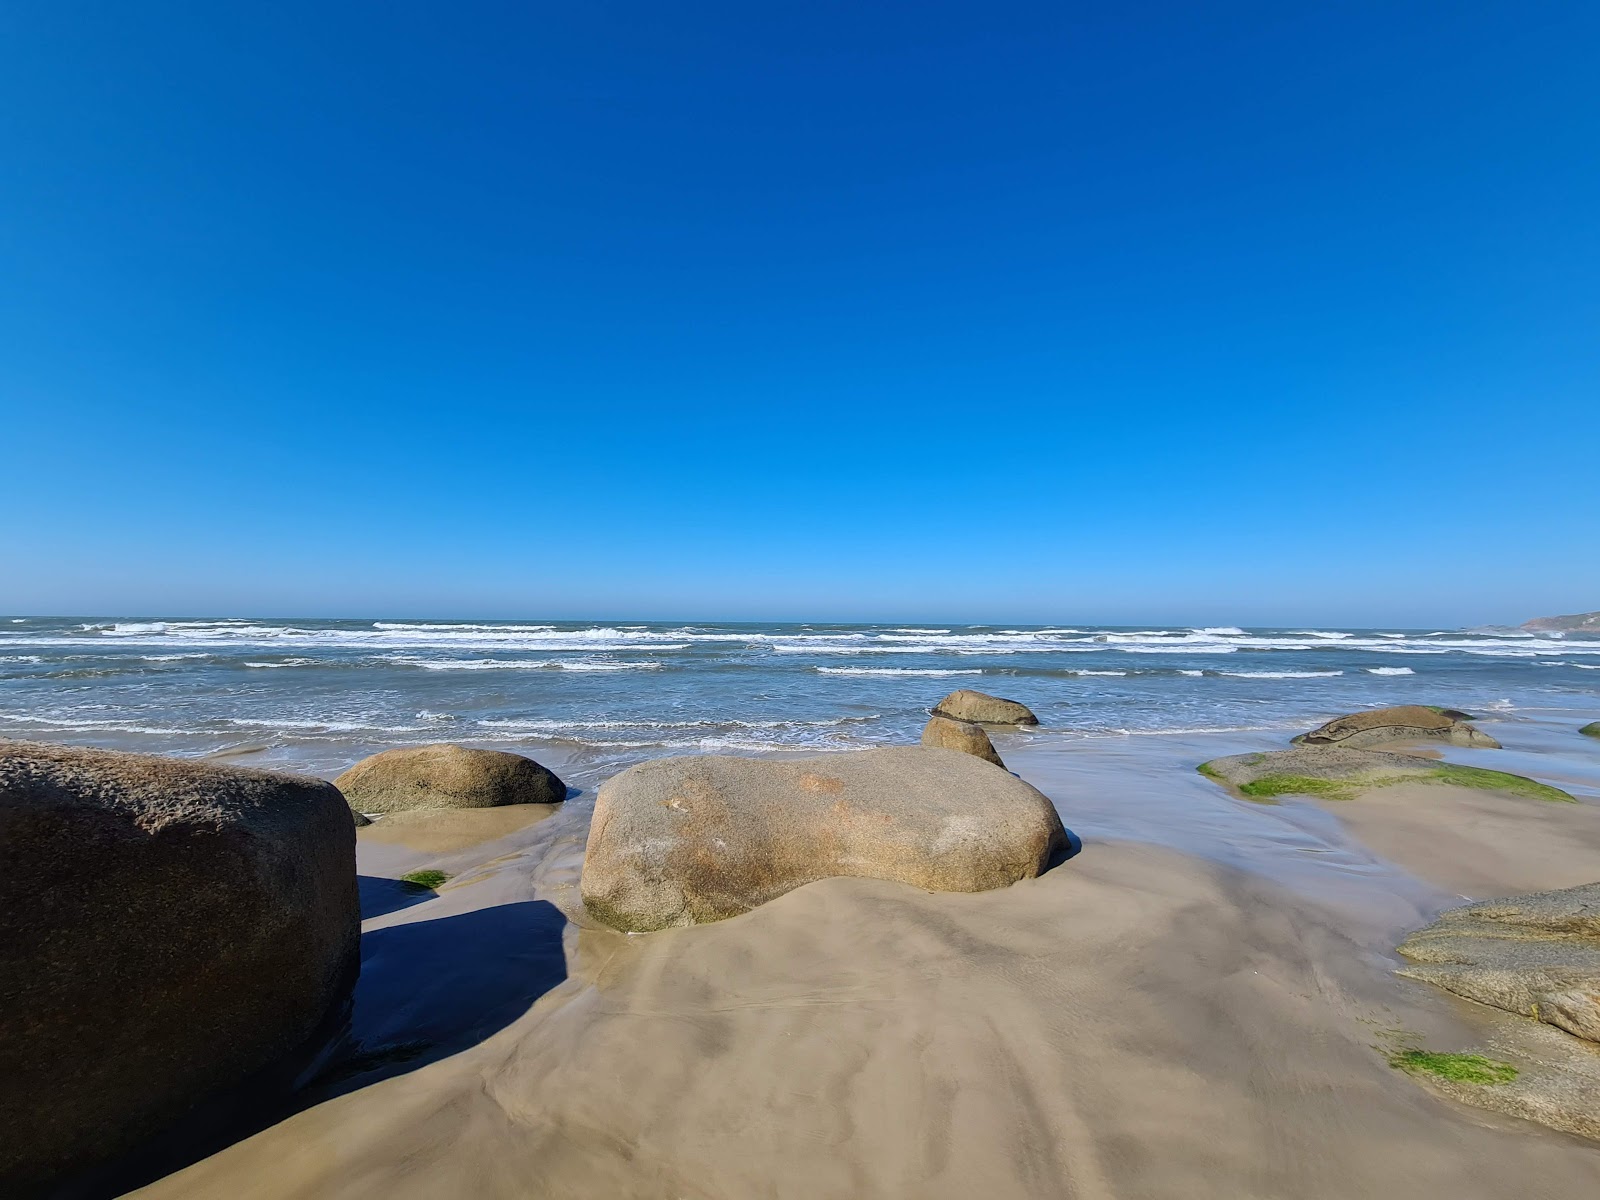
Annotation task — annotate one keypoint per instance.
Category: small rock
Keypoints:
(963, 736)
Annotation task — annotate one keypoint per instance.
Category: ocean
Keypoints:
(316, 695)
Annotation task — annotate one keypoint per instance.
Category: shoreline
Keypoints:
(1201, 1003)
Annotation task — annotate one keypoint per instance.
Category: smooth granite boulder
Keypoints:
(684, 841)
(1592, 729)
(447, 776)
(963, 736)
(1408, 722)
(1536, 955)
(168, 929)
(982, 709)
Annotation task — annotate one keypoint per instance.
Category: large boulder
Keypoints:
(168, 929)
(982, 709)
(1405, 723)
(447, 776)
(1536, 955)
(683, 841)
(1592, 729)
(1339, 773)
(942, 732)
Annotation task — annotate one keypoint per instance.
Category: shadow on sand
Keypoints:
(431, 988)
(380, 896)
(428, 989)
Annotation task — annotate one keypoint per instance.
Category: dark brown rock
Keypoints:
(447, 776)
(167, 929)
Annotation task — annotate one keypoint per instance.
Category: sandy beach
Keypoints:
(1201, 1003)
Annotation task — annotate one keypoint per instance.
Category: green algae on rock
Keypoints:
(1592, 729)
(1338, 773)
(1457, 1068)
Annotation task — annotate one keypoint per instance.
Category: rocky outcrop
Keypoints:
(981, 709)
(683, 841)
(1410, 722)
(1575, 623)
(167, 929)
(1536, 955)
(1339, 773)
(447, 776)
(1592, 729)
(948, 734)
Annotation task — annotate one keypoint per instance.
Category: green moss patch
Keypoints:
(1457, 1068)
(1302, 785)
(1268, 786)
(424, 879)
(1497, 781)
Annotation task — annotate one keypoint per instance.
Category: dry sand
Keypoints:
(1139, 1022)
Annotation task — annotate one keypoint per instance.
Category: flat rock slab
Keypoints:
(687, 840)
(1408, 722)
(1537, 956)
(1340, 773)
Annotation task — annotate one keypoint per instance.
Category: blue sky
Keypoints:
(1223, 312)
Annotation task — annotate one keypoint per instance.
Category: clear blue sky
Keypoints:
(1199, 312)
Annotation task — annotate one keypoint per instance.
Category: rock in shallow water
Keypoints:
(1408, 722)
(167, 929)
(1592, 729)
(683, 841)
(447, 776)
(963, 736)
(983, 709)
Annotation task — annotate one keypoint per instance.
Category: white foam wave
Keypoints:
(1389, 671)
(1281, 674)
(1222, 631)
(1099, 672)
(900, 670)
(1196, 674)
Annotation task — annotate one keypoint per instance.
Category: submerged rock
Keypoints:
(683, 841)
(1409, 722)
(447, 776)
(982, 709)
(1339, 773)
(168, 929)
(1536, 955)
(1592, 729)
(964, 736)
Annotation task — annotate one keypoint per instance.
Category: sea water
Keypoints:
(316, 695)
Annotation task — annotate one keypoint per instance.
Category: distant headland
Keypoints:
(1576, 623)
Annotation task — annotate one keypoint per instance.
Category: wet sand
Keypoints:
(1200, 1004)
